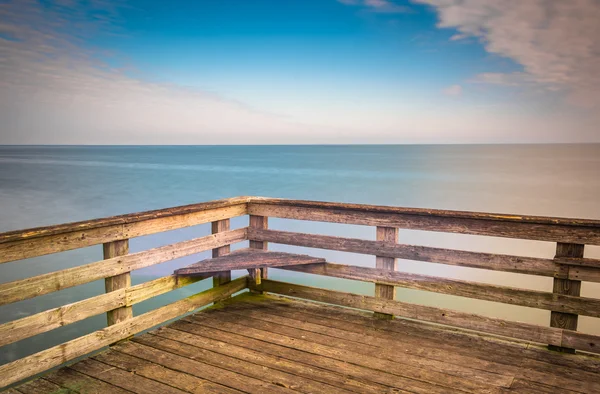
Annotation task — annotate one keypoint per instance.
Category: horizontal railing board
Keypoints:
(51, 319)
(39, 362)
(581, 234)
(518, 330)
(129, 218)
(54, 243)
(495, 326)
(497, 262)
(47, 283)
(449, 214)
(462, 288)
(576, 261)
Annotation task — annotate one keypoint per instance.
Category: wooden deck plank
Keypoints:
(373, 369)
(122, 378)
(511, 359)
(42, 386)
(200, 369)
(269, 375)
(82, 383)
(245, 259)
(363, 354)
(303, 375)
(266, 343)
(486, 345)
(386, 347)
(325, 370)
(516, 366)
(160, 373)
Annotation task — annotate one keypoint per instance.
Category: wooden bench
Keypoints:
(251, 259)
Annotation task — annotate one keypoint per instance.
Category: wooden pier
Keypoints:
(281, 337)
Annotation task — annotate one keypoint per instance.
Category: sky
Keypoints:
(299, 71)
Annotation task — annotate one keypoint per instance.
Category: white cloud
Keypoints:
(556, 41)
(52, 90)
(379, 6)
(453, 90)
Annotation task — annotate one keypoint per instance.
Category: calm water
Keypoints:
(50, 185)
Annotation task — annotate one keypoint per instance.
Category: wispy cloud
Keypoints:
(556, 42)
(54, 89)
(379, 6)
(453, 90)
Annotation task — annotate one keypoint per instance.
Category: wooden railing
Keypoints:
(568, 268)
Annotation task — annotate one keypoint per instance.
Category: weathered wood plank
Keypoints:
(504, 294)
(223, 276)
(29, 326)
(261, 223)
(412, 380)
(559, 318)
(469, 321)
(29, 243)
(117, 282)
(82, 383)
(121, 378)
(385, 235)
(54, 356)
(41, 386)
(502, 217)
(292, 323)
(553, 230)
(214, 356)
(160, 373)
(578, 261)
(442, 337)
(196, 367)
(247, 258)
(253, 356)
(54, 281)
(328, 371)
(498, 262)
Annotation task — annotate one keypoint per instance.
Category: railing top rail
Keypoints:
(21, 235)
(514, 218)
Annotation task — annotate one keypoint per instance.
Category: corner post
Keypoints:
(388, 235)
(259, 222)
(121, 281)
(225, 276)
(569, 287)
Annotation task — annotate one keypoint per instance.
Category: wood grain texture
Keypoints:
(568, 287)
(529, 332)
(572, 230)
(31, 244)
(221, 277)
(386, 235)
(261, 223)
(497, 262)
(117, 282)
(482, 291)
(47, 283)
(245, 259)
(51, 319)
(39, 362)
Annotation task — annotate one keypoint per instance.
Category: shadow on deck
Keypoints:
(271, 344)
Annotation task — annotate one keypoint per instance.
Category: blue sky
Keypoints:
(298, 71)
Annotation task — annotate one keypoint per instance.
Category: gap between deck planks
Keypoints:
(255, 344)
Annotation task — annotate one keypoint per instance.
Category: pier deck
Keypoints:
(276, 337)
(269, 344)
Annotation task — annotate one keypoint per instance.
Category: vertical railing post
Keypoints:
(568, 287)
(113, 283)
(225, 276)
(259, 222)
(388, 235)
